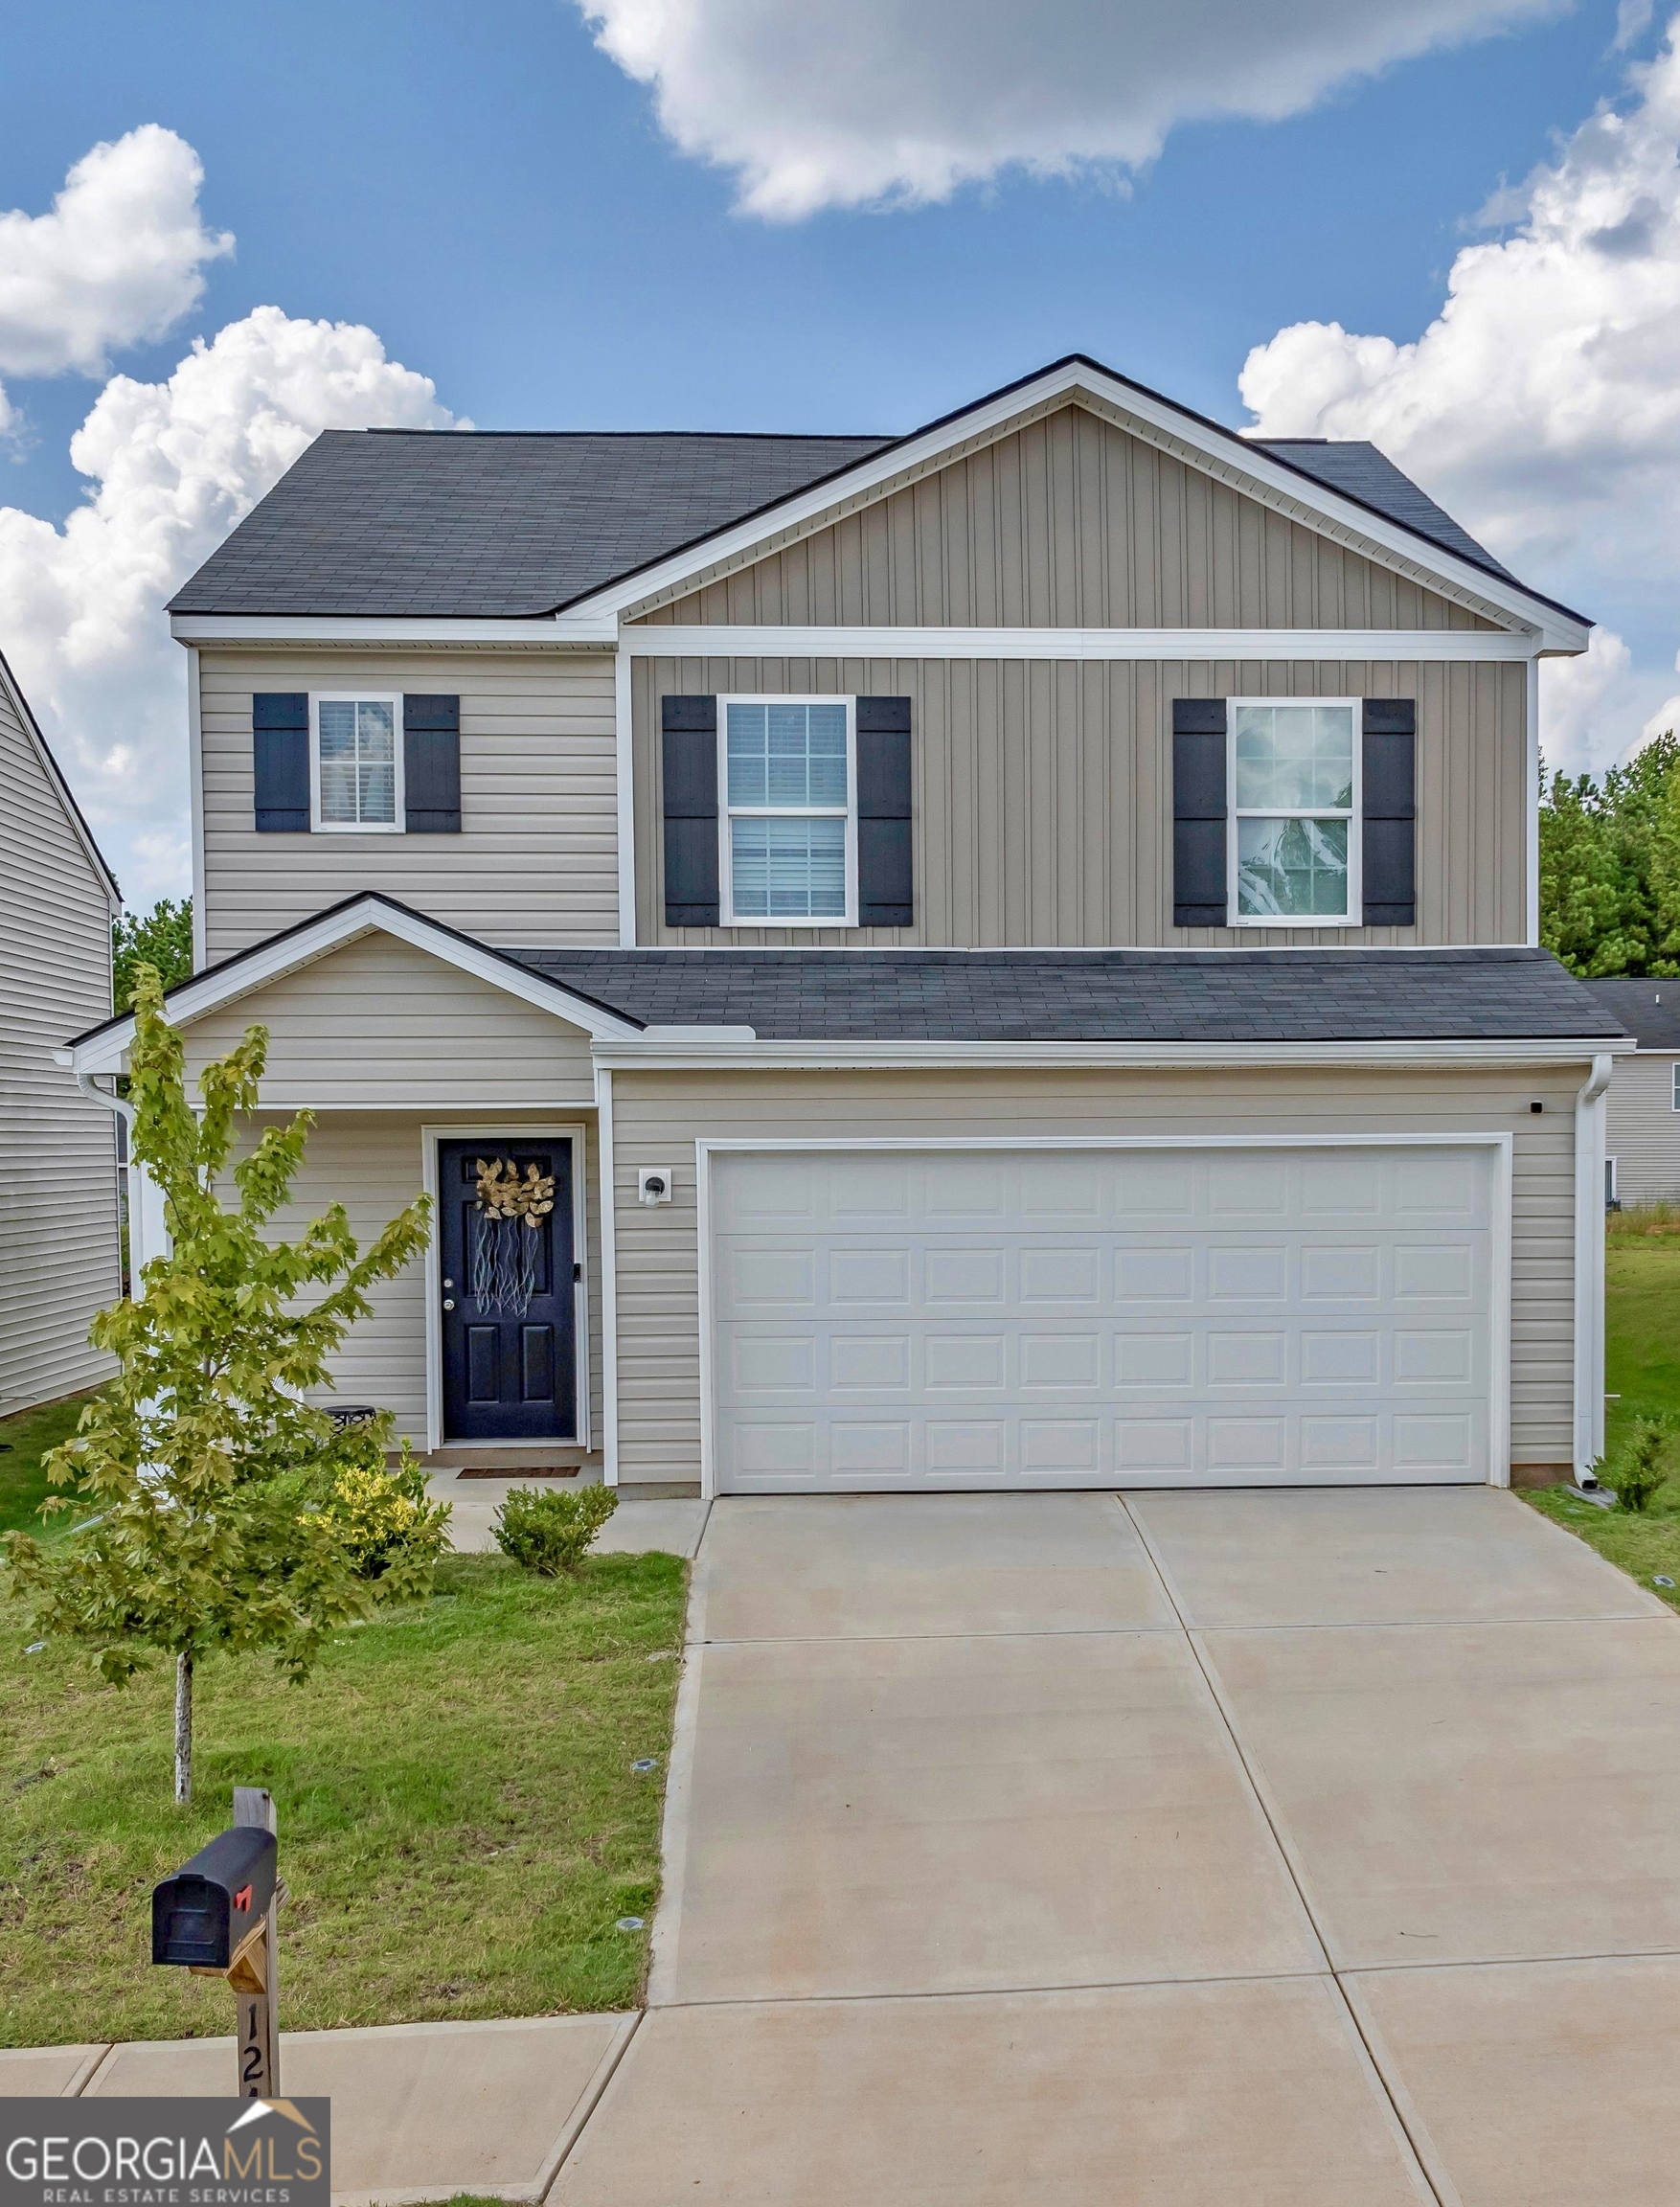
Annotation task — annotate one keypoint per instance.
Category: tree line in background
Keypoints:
(1610, 866)
(160, 938)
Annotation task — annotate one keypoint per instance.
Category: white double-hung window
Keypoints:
(355, 776)
(1294, 784)
(790, 846)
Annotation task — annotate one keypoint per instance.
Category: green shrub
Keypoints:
(1639, 1472)
(387, 1517)
(548, 1529)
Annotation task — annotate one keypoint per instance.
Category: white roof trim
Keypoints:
(548, 631)
(270, 961)
(1229, 456)
(722, 641)
(55, 774)
(657, 1051)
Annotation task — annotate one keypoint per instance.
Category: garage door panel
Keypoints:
(977, 1343)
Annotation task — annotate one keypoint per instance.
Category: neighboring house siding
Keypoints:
(381, 1025)
(1642, 1129)
(370, 1161)
(59, 1252)
(1043, 798)
(658, 1116)
(537, 858)
(1071, 522)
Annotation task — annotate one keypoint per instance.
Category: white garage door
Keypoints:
(1100, 1317)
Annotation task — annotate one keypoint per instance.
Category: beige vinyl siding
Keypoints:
(380, 1024)
(1043, 797)
(1642, 1129)
(537, 858)
(659, 1116)
(372, 1163)
(59, 1252)
(1071, 522)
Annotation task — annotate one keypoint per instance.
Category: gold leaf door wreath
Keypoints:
(504, 1261)
(504, 1195)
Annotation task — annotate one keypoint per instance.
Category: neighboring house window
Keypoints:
(1676, 1084)
(1294, 781)
(789, 844)
(356, 767)
(1609, 1180)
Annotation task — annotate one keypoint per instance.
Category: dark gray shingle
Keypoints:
(1090, 997)
(1361, 471)
(1650, 1010)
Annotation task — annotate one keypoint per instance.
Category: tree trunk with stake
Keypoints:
(183, 1730)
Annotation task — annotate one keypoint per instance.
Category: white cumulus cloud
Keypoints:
(853, 103)
(118, 259)
(1542, 405)
(171, 468)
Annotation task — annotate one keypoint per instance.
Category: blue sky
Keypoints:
(497, 200)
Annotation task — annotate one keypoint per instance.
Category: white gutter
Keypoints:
(667, 1050)
(1589, 1266)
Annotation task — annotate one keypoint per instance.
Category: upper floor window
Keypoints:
(1294, 781)
(789, 844)
(356, 782)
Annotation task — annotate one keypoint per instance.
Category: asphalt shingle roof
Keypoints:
(1359, 470)
(481, 524)
(1089, 997)
(1650, 1009)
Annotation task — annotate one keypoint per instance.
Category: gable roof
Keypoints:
(56, 775)
(440, 523)
(1231, 997)
(444, 523)
(1649, 1009)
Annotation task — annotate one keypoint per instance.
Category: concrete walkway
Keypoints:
(1287, 1850)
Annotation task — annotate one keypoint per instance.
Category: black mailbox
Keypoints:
(200, 1915)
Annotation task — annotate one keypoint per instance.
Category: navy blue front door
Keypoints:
(509, 1299)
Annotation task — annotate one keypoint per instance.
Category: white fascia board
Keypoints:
(765, 642)
(103, 1053)
(1558, 633)
(659, 1053)
(547, 631)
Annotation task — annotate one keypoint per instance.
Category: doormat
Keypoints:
(522, 1472)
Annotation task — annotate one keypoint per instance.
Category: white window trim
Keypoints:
(726, 812)
(397, 826)
(1612, 1193)
(1674, 1086)
(1354, 915)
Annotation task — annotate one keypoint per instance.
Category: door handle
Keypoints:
(448, 1302)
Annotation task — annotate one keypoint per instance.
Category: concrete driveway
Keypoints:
(1320, 1850)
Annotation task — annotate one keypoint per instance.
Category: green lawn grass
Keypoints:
(1642, 1375)
(24, 1440)
(460, 1826)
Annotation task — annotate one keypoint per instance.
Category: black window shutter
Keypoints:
(1389, 809)
(280, 762)
(431, 766)
(689, 731)
(886, 888)
(1198, 811)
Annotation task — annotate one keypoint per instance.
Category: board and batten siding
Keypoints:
(657, 1118)
(1043, 794)
(1642, 1129)
(380, 1024)
(58, 1235)
(1070, 522)
(537, 858)
(372, 1163)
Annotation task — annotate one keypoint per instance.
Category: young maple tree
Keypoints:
(230, 1514)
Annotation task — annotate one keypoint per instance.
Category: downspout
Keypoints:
(1589, 1268)
(147, 1234)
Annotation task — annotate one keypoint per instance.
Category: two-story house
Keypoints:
(1001, 957)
